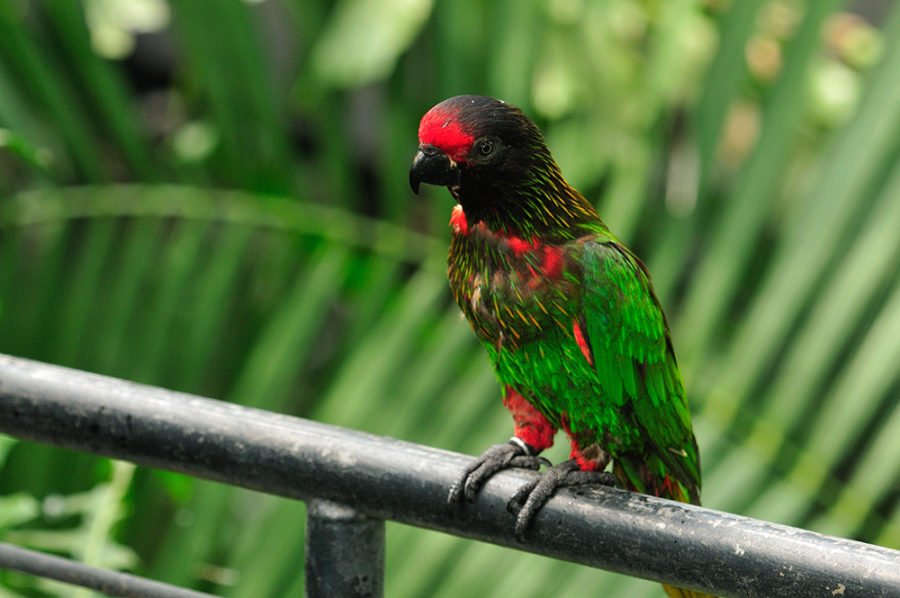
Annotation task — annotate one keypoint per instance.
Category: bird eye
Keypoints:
(485, 147)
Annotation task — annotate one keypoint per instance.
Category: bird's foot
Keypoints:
(532, 496)
(513, 453)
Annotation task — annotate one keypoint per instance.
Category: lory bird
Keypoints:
(566, 312)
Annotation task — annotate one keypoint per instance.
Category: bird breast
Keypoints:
(511, 289)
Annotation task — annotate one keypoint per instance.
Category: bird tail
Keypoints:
(674, 592)
(652, 476)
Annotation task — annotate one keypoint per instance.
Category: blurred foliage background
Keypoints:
(211, 196)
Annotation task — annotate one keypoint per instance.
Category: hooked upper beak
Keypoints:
(433, 166)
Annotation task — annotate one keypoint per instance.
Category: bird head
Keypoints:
(495, 163)
(477, 141)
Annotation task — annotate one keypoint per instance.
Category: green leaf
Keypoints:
(364, 38)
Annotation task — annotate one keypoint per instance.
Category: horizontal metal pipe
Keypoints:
(111, 583)
(385, 478)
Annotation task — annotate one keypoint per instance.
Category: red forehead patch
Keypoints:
(440, 128)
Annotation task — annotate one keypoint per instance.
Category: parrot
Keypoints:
(565, 311)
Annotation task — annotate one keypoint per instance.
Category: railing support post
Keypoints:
(344, 552)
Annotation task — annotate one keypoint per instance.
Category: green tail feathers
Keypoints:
(676, 478)
(652, 476)
(674, 592)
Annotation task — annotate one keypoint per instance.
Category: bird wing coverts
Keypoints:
(635, 363)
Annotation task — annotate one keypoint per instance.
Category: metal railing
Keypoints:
(354, 481)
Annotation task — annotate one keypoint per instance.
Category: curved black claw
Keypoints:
(496, 458)
(532, 496)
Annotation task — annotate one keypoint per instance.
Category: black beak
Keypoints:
(432, 166)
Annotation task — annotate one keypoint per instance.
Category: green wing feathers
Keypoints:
(637, 370)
